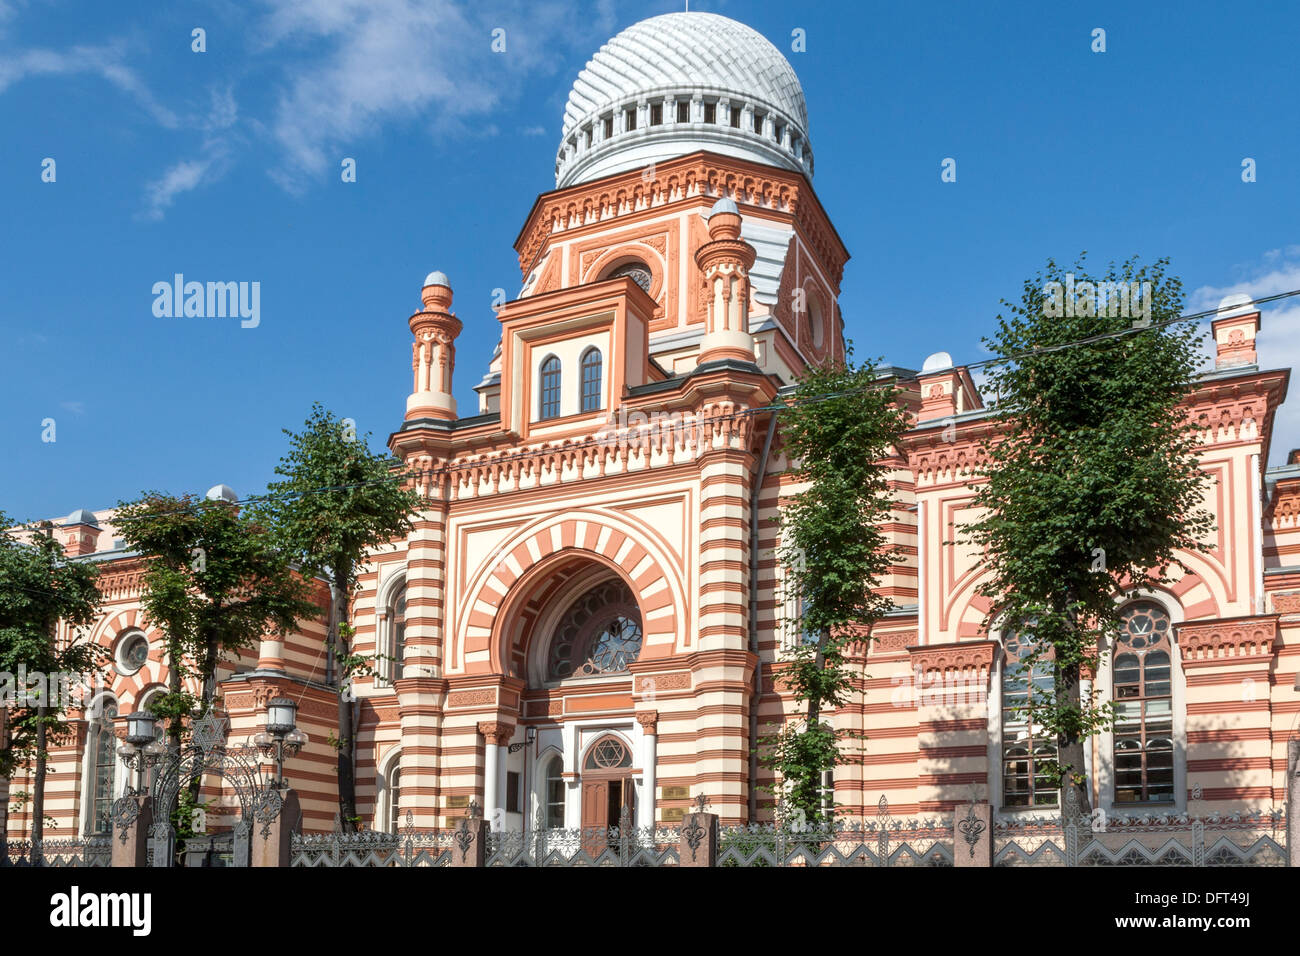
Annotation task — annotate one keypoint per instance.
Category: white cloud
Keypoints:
(108, 61)
(179, 178)
(375, 62)
(1279, 336)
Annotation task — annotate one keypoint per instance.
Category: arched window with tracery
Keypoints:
(549, 393)
(1142, 679)
(591, 372)
(1027, 747)
(103, 747)
(638, 272)
(599, 634)
(608, 753)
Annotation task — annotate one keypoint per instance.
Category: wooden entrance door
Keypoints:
(607, 789)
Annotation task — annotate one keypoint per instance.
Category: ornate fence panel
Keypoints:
(407, 847)
(1142, 840)
(93, 851)
(623, 845)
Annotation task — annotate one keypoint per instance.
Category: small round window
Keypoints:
(133, 653)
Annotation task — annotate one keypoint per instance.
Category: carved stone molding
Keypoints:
(1242, 639)
(961, 657)
(1287, 603)
(648, 719)
(471, 698)
(496, 732)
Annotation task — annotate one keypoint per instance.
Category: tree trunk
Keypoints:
(341, 650)
(38, 786)
(1074, 777)
(174, 688)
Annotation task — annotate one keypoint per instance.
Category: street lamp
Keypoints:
(282, 738)
(142, 749)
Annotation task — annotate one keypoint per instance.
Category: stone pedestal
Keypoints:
(132, 818)
(972, 828)
(1293, 802)
(699, 840)
(272, 836)
(469, 847)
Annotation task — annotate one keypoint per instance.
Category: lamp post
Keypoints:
(142, 749)
(281, 738)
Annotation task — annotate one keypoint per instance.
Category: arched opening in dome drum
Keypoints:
(638, 272)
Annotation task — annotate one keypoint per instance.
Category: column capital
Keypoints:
(496, 732)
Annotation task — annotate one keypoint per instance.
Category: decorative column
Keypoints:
(433, 354)
(698, 843)
(649, 721)
(725, 262)
(496, 737)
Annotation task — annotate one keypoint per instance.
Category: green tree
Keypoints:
(337, 503)
(39, 588)
(214, 583)
(839, 429)
(1093, 484)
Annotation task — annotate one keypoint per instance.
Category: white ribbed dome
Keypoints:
(702, 60)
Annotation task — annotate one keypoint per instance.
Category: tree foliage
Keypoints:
(214, 583)
(39, 588)
(839, 429)
(1093, 485)
(338, 502)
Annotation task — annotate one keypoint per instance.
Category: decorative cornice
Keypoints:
(960, 657)
(1235, 640)
(701, 175)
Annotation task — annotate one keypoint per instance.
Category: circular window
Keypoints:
(132, 653)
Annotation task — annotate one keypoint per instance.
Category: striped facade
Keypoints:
(705, 287)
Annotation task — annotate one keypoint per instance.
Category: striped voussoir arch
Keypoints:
(129, 688)
(518, 568)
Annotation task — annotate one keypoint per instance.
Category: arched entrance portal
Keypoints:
(577, 633)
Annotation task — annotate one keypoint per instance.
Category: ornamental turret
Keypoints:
(433, 353)
(724, 262)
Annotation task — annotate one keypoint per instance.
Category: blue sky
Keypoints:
(224, 166)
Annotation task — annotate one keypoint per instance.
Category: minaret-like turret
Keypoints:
(433, 354)
(725, 262)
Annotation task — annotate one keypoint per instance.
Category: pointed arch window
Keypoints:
(1144, 714)
(549, 395)
(391, 640)
(1027, 747)
(553, 794)
(591, 373)
(103, 767)
(394, 797)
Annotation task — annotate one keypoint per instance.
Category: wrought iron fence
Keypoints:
(1241, 839)
(92, 851)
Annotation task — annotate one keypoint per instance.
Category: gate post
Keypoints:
(132, 819)
(972, 831)
(469, 848)
(698, 843)
(273, 822)
(1292, 802)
